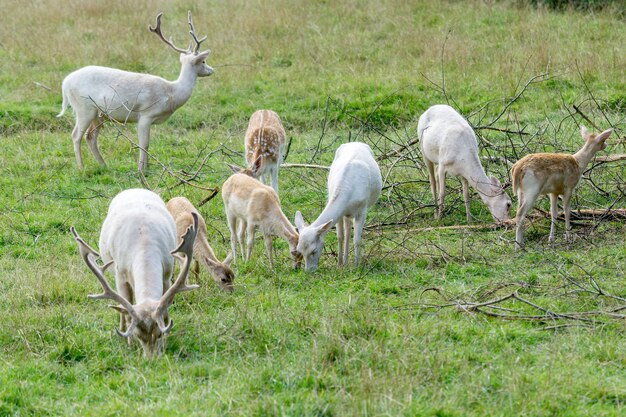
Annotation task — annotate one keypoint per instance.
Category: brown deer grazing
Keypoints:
(99, 93)
(555, 174)
(182, 210)
(250, 204)
(265, 141)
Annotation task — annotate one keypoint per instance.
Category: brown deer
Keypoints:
(265, 141)
(182, 211)
(554, 174)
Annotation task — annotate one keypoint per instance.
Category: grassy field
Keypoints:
(369, 340)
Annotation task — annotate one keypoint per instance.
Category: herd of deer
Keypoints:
(140, 232)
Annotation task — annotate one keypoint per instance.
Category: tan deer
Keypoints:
(265, 141)
(554, 174)
(250, 204)
(182, 210)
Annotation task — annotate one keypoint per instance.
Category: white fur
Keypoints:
(138, 238)
(354, 185)
(448, 141)
(99, 93)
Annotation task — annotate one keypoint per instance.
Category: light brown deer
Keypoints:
(265, 141)
(554, 174)
(250, 204)
(182, 210)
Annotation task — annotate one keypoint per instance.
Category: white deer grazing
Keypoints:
(265, 141)
(555, 174)
(447, 140)
(99, 93)
(250, 204)
(182, 211)
(138, 238)
(354, 185)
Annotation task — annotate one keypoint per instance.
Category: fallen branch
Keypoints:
(210, 196)
(304, 166)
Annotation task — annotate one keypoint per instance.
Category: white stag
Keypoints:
(138, 238)
(99, 93)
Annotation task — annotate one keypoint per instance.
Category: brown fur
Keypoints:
(180, 208)
(554, 174)
(265, 137)
(258, 205)
(557, 170)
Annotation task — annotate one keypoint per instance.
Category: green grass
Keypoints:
(339, 342)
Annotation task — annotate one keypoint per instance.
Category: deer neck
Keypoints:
(584, 155)
(183, 86)
(333, 211)
(478, 179)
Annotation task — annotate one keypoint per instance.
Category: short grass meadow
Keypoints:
(391, 337)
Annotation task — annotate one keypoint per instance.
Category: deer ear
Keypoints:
(200, 57)
(234, 168)
(300, 224)
(256, 166)
(604, 135)
(495, 182)
(584, 132)
(325, 227)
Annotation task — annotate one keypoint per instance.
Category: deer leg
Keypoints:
(347, 228)
(249, 240)
(441, 185)
(340, 239)
(359, 221)
(241, 235)
(433, 182)
(525, 203)
(143, 131)
(567, 195)
(92, 139)
(554, 211)
(466, 200)
(81, 126)
(274, 174)
(268, 247)
(232, 226)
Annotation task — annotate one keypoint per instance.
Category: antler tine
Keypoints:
(85, 252)
(157, 31)
(192, 32)
(186, 248)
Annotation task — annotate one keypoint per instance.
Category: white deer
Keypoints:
(354, 185)
(138, 238)
(182, 211)
(447, 140)
(99, 93)
(250, 204)
(265, 141)
(555, 174)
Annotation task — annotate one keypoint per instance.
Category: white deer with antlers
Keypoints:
(99, 93)
(138, 239)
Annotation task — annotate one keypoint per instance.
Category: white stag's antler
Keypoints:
(192, 31)
(186, 248)
(86, 252)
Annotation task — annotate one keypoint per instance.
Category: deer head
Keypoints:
(149, 320)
